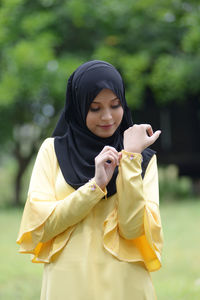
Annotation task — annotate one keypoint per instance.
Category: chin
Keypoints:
(105, 135)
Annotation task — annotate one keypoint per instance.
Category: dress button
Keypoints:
(131, 157)
(93, 187)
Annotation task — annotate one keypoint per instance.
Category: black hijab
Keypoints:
(75, 145)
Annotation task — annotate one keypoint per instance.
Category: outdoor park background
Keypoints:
(155, 46)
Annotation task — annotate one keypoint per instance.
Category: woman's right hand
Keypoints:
(104, 170)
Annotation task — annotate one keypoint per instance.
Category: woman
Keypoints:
(92, 214)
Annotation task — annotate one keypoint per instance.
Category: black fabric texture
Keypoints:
(75, 145)
(146, 157)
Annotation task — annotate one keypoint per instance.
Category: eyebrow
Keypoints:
(110, 100)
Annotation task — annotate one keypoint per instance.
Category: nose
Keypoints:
(106, 115)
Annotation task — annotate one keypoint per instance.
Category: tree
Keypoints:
(154, 44)
(30, 86)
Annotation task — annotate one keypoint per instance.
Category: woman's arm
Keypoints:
(133, 231)
(72, 209)
(136, 195)
(44, 215)
(131, 202)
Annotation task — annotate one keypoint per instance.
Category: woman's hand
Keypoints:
(104, 170)
(139, 137)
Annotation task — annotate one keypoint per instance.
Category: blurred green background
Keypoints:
(155, 44)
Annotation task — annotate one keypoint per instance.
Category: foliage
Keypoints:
(171, 186)
(154, 44)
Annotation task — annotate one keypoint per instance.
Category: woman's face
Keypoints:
(105, 114)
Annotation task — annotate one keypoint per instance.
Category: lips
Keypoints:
(106, 126)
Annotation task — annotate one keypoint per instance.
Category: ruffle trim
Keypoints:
(31, 232)
(142, 249)
(146, 248)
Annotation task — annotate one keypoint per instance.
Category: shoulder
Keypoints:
(47, 148)
(47, 144)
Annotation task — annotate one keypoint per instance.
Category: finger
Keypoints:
(149, 129)
(114, 154)
(115, 160)
(155, 136)
(145, 125)
(109, 157)
(109, 148)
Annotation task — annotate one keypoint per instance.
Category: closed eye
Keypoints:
(98, 108)
(116, 106)
(94, 109)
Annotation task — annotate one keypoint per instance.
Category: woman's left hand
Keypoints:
(139, 137)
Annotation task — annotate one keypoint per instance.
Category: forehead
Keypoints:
(105, 95)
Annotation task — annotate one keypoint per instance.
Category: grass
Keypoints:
(19, 278)
(178, 279)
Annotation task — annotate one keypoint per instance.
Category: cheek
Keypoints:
(90, 120)
(119, 115)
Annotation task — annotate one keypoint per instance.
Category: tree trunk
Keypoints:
(18, 184)
(22, 163)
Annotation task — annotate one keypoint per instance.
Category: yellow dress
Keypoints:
(93, 247)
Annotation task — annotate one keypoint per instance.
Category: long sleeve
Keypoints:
(133, 231)
(72, 209)
(48, 221)
(131, 199)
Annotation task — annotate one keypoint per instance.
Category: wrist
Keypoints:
(132, 156)
(133, 150)
(99, 183)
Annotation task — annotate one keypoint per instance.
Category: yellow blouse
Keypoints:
(99, 247)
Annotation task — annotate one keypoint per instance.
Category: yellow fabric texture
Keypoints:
(131, 231)
(105, 245)
(48, 219)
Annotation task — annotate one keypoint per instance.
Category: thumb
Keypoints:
(155, 136)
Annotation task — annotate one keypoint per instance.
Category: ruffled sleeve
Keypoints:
(133, 231)
(47, 221)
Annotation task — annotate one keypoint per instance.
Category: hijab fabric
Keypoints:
(75, 145)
